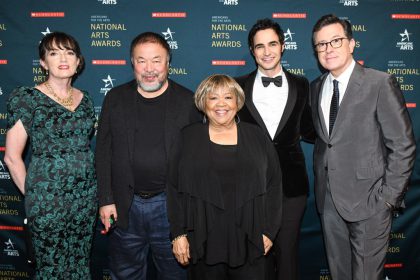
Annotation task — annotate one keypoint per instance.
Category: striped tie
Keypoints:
(334, 105)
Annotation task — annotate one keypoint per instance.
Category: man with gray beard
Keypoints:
(139, 122)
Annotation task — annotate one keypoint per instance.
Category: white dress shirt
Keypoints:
(327, 91)
(270, 101)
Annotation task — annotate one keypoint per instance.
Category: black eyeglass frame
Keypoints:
(334, 43)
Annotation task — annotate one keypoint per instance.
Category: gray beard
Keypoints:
(150, 88)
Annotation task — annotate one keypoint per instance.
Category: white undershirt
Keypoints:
(327, 91)
(270, 101)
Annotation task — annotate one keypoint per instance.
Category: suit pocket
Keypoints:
(363, 173)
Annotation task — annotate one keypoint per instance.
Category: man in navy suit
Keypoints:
(277, 101)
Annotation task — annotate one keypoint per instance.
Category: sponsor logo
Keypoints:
(10, 250)
(289, 44)
(393, 265)
(405, 16)
(289, 15)
(1, 91)
(405, 43)
(47, 31)
(108, 2)
(3, 61)
(411, 105)
(109, 84)
(228, 62)
(109, 62)
(3, 27)
(349, 3)
(47, 14)
(4, 173)
(229, 2)
(13, 228)
(168, 34)
(169, 15)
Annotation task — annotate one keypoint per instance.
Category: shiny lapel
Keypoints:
(290, 103)
(249, 88)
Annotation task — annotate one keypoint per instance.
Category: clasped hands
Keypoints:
(181, 248)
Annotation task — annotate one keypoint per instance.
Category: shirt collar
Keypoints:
(345, 76)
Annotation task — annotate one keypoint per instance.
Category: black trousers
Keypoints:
(221, 271)
(283, 260)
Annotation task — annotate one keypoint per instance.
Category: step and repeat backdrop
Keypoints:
(206, 37)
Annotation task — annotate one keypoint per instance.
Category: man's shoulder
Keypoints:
(242, 79)
(319, 79)
(123, 88)
(371, 72)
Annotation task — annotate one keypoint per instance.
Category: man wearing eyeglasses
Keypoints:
(363, 156)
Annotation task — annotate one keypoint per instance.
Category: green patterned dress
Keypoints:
(60, 186)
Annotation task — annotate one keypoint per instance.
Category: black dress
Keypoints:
(224, 197)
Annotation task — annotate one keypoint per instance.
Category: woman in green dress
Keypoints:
(59, 184)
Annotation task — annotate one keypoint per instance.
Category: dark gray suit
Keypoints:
(365, 162)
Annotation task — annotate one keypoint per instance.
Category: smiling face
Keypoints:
(60, 62)
(267, 51)
(335, 60)
(151, 65)
(221, 107)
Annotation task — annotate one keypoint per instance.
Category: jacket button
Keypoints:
(326, 168)
(275, 143)
(329, 145)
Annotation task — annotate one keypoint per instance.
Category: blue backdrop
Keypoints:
(206, 37)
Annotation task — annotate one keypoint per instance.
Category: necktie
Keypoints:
(334, 105)
(267, 80)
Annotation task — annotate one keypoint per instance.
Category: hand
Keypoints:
(181, 250)
(267, 244)
(105, 213)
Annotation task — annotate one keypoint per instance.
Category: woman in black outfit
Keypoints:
(224, 189)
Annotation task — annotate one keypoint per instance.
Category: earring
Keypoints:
(237, 119)
(75, 72)
(47, 73)
(204, 119)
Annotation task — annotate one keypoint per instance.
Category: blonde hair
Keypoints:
(214, 82)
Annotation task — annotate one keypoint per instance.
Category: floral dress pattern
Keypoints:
(60, 185)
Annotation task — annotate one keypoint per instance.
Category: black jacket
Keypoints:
(295, 124)
(115, 140)
(194, 192)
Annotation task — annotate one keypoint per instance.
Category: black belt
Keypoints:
(147, 195)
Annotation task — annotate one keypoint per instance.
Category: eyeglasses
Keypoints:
(335, 43)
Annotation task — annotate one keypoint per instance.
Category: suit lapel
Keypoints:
(171, 112)
(249, 88)
(353, 88)
(131, 118)
(290, 103)
(320, 114)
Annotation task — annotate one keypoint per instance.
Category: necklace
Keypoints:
(66, 102)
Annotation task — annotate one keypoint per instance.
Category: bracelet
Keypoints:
(178, 237)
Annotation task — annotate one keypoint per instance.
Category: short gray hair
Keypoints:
(213, 82)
